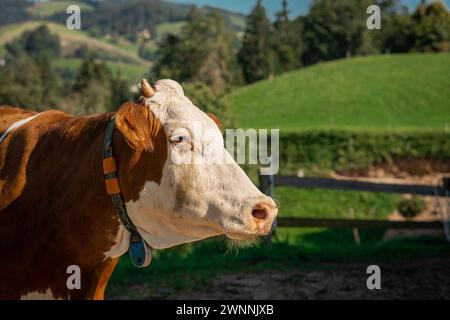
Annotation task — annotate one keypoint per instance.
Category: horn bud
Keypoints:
(147, 89)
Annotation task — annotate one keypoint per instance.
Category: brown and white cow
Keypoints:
(55, 212)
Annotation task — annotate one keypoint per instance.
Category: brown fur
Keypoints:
(54, 210)
(216, 120)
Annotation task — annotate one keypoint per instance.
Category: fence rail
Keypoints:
(268, 183)
(356, 185)
(287, 222)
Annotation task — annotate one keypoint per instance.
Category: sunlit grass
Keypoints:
(375, 93)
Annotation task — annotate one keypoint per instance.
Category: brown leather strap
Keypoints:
(112, 186)
(109, 165)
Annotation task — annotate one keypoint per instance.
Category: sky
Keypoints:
(272, 6)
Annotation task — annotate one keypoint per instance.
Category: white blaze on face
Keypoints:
(197, 197)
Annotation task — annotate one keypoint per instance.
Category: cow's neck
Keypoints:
(75, 223)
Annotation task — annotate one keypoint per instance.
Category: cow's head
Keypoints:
(196, 190)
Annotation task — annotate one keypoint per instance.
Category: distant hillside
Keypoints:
(390, 92)
(73, 39)
(122, 17)
(127, 18)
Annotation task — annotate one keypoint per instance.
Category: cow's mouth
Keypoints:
(248, 232)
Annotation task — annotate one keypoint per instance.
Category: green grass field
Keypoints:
(296, 202)
(390, 92)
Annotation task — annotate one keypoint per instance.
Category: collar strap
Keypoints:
(138, 248)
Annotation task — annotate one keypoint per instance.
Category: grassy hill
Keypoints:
(377, 93)
(71, 39)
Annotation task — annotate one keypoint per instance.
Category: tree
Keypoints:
(95, 89)
(286, 41)
(21, 84)
(203, 52)
(219, 69)
(334, 29)
(427, 29)
(35, 43)
(394, 33)
(431, 28)
(119, 91)
(91, 70)
(255, 55)
(50, 81)
(28, 79)
(169, 59)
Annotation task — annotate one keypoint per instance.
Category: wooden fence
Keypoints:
(268, 184)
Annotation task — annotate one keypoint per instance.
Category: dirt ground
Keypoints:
(425, 279)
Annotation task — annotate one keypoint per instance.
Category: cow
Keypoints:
(55, 198)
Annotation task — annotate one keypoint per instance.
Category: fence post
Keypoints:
(267, 185)
(446, 210)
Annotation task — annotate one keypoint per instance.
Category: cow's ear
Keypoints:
(137, 124)
(216, 120)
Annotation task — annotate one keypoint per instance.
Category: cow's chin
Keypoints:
(241, 240)
(234, 244)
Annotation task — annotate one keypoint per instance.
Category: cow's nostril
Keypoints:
(259, 213)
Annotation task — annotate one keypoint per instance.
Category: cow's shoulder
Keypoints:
(18, 139)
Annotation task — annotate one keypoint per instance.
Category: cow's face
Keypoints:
(202, 192)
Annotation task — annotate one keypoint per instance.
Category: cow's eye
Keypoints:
(179, 138)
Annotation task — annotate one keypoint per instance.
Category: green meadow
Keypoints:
(376, 93)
